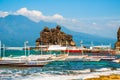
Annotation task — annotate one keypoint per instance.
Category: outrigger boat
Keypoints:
(91, 58)
(33, 60)
(59, 57)
(58, 48)
(99, 58)
(24, 62)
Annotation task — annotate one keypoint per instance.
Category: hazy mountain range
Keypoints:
(15, 29)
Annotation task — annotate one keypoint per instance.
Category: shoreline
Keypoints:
(104, 77)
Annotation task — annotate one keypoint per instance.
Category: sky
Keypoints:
(97, 17)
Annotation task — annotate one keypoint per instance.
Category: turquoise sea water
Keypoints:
(53, 68)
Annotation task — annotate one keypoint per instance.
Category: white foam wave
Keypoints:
(81, 71)
(39, 76)
(102, 69)
(57, 75)
(118, 68)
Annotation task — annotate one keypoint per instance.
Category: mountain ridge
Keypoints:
(15, 29)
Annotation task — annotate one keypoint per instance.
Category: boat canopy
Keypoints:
(101, 47)
(57, 47)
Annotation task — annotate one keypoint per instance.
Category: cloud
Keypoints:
(103, 26)
(31, 14)
(114, 23)
(3, 14)
(38, 15)
(57, 16)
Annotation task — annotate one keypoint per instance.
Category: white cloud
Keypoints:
(3, 14)
(38, 15)
(31, 14)
(57, 16)
(114, 23)
(103, 26)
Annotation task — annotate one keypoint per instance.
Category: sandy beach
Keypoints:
(103, 77)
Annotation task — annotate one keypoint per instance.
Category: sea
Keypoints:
(58, 70)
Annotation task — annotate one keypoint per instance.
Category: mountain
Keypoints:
(88, 39)
(15, 29)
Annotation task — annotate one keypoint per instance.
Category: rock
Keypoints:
(46, 29)
(117, 44)
(54, 36)
(37, 41)
(58, 27)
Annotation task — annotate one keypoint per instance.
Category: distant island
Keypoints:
(54, 36)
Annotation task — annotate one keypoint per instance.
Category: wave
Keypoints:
(68, 77)
(75, 74)
(80, 71)
(38, 74)
(102, 69)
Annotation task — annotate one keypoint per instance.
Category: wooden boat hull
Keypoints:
(24, 64)
(20, 65)
(9, 64)
(73, 51)
(103, 51)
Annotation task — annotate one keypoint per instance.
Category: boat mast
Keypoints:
(3, 50)
(81, 43)
(66, 47)
(92, 44)
(28, 49)
(41, 48)
(25, 47)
